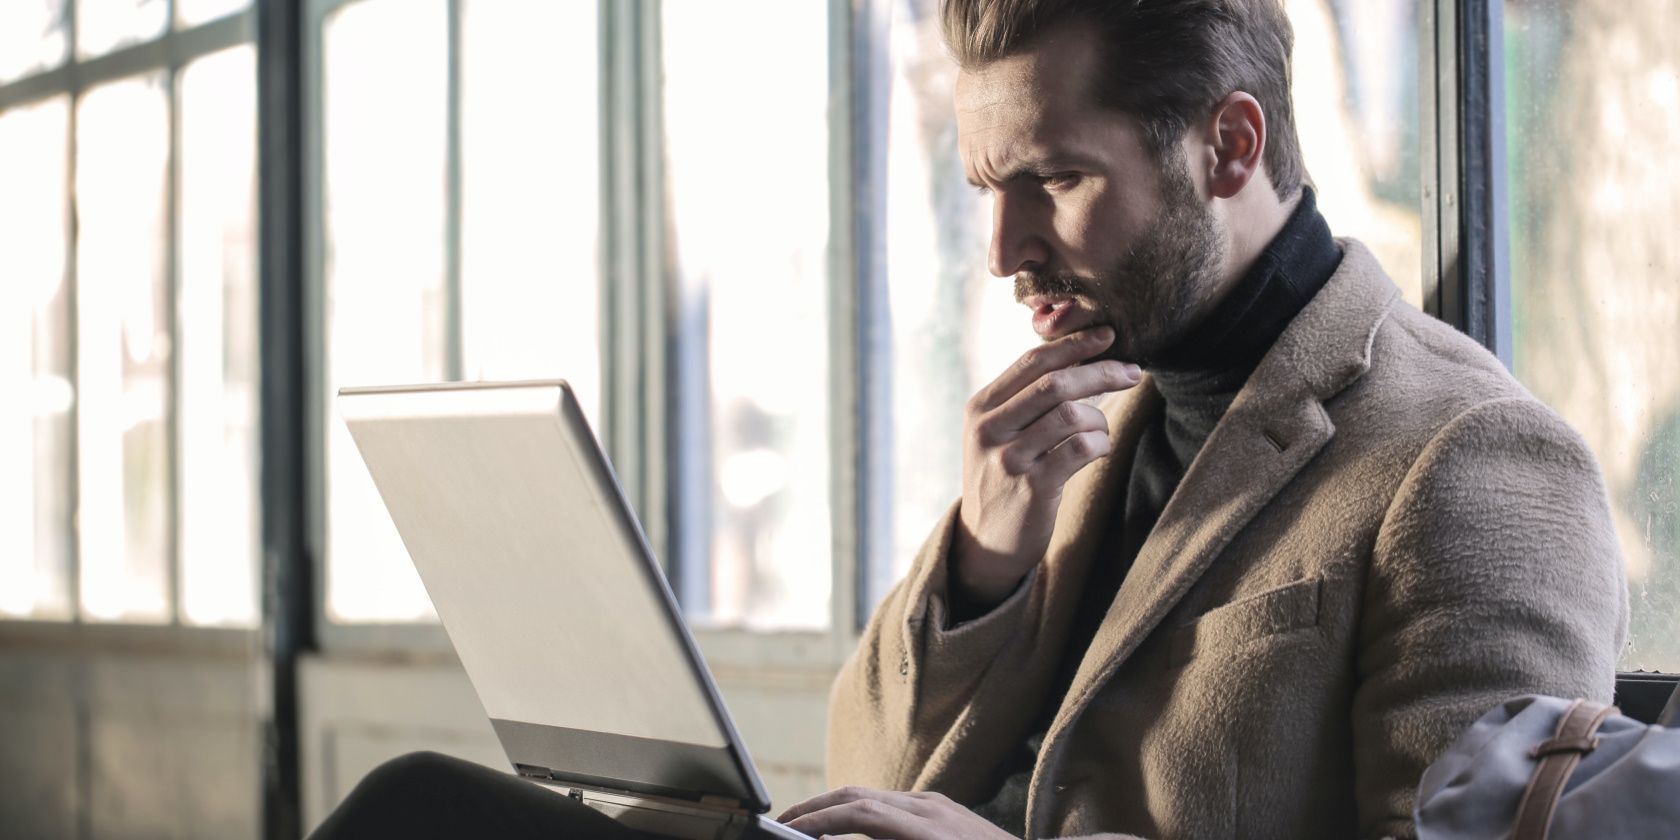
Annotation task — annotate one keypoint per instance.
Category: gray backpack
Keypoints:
(1535, 765)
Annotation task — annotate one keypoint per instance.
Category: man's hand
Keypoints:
(1024, 436)
(886, 813)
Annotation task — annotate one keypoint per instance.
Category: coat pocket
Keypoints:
(1227, 627)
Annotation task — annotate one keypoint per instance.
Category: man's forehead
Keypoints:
(1031, 98)
(1032, 84)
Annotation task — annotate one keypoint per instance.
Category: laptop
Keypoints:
(555, 605)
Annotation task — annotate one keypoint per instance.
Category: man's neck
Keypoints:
(1278, 281)
(1254, 219)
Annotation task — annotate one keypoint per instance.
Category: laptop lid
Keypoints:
(546, 586)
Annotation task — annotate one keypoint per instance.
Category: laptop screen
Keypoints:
(543, 582)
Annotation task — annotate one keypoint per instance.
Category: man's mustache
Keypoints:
(1050, 284)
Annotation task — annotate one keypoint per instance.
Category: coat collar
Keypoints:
(1273, 429)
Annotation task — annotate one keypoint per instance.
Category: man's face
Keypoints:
(1094, 228)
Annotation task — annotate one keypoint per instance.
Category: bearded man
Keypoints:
(1267, 582)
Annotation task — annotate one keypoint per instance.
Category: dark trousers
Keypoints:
(425, 795)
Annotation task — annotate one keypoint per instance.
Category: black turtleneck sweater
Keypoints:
(1198, 379)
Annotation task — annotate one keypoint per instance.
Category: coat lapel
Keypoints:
(1276, 425)
(1255, 450)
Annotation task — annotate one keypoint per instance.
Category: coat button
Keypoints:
(904, 667)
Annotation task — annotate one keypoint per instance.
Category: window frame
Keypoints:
(168, 54)
(1466, 207)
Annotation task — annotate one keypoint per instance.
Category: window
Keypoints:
(462, 217)
(131, 461)
(1593, 106)
(458, 229)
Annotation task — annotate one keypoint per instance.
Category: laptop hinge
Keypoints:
(707, 801)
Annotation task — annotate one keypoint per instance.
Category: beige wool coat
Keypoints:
(1385, 536)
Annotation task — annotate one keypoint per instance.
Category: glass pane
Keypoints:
(529, 277)
(192, 12)
(954, 327)
(104, 25)
(386, 307)
(1595, 271)
(1357, 114)
(35, 421)
(33, 36)
(217, 302)
(752, 313)
(123, 355)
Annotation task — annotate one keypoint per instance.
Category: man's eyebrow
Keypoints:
(1046, 165)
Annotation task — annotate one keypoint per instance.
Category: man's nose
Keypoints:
(1017, 244)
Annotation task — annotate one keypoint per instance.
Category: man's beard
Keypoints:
(1153, 292)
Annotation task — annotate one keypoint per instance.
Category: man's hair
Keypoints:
(1165, 62)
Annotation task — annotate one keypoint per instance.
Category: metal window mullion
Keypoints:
(632, 271)
(172, 306)
(169, 49)
(1429, 154)
(286, 402)
(1484, 253)
(849, 471)
(72, 281)
(1466, 219)
(1444, 281)
(870, 80)
(454, 359)
(656, 404)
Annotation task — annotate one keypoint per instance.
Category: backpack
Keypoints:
(1573, 768)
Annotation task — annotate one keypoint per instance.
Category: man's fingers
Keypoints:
(1060, 386)
(866, 816)
(1048, 432)
(1064, 352)
(852, 793)
(1059, 464)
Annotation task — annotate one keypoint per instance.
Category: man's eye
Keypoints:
(1058, 180)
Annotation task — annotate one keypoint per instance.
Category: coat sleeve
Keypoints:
(906, 687)
(1495, 573)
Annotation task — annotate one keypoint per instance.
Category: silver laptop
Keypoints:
(556, 606)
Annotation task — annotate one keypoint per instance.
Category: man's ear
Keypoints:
(1238, 134)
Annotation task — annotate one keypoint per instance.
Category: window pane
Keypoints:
(192, 12)
(104, 25)
(33, 36)
(954, 327)
(529, 284)
(35, 420)
(386, 307)
(1595, 269)
(750, 229)
(1355, 96)
(217, 302)
(123, 354)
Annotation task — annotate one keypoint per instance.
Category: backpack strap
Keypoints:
(1576, 736)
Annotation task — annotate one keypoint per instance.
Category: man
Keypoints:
(1260, 589)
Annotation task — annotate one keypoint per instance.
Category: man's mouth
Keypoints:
(1053, 316)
